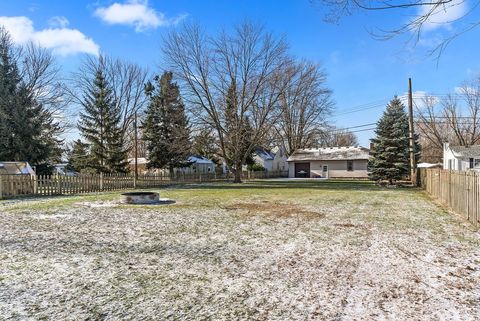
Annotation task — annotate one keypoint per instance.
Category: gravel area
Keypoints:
(279, 254)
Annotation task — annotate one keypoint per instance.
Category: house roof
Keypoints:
(264, 154)
(429, 165)
(466, 151)
(199, 160)
(330, 153)
(16, 168)
(140, 161)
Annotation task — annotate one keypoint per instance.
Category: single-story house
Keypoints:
(331, 162)
(141, 164)
(461, 157)
(198, 165)
(16, 168)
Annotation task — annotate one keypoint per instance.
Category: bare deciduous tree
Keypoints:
(250, 62)
(427, 13)
(304, 105)
(454, 119)
(333, 137)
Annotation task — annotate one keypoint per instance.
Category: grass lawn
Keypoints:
(263, 250)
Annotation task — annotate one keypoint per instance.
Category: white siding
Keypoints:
(336, 169)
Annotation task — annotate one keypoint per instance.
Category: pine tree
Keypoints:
(78, 156)
(166, 130)
(100, 126)
(390, 157)
(204, 144)
(27, 130)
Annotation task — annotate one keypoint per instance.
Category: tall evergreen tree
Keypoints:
(78, 156)
(205, 145)
(100, 125)
(390, 157)
(27, 130)
(166, 130)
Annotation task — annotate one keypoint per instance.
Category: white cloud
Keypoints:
(443, 16)
(58, 22)
(135, 13)
(63, 41)
(420, 99)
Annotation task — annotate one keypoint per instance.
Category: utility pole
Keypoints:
(411, 136)
(136, 150)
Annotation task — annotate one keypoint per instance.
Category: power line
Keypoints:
(352, 127)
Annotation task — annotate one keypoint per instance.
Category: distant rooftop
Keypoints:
(330, 153)
(466, 151)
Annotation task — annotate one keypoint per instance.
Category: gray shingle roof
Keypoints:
(466, 151)
(330, 153)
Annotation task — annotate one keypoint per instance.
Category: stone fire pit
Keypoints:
(140, 198)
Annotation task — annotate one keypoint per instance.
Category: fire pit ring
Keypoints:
(140, 198)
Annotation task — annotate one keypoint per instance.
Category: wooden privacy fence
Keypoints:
(459, 190)
(26, 185)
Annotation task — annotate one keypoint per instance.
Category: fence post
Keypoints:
(58, 184)
(467, 179)
(101, 181)
(35, 184)
(1, 187)
(450, 187)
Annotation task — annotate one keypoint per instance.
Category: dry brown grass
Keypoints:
(280, 210)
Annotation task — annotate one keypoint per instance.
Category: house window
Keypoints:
(350, 165)
(476, 163)
(471, 163)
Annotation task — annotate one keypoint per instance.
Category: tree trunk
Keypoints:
(238, 173)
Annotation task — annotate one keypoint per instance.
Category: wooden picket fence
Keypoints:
(12, 186)
(459, 190)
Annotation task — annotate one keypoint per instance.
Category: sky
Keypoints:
(363, 72)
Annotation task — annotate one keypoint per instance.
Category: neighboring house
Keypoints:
(141, 165)
(198, 165)
(271, 160)
(280, 159)
(332, 162)
(461, 157)
(61, 169)
(264, 157)
(16, 168)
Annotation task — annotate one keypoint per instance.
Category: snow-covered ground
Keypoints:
(240, 254)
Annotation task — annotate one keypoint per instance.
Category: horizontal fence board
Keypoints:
(459, 190)
(12, 186)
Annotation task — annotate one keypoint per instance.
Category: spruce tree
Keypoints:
(390, 157)
(100, 125)
(27, 130)
(204, 144)
(166, 130)
(78, 156)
